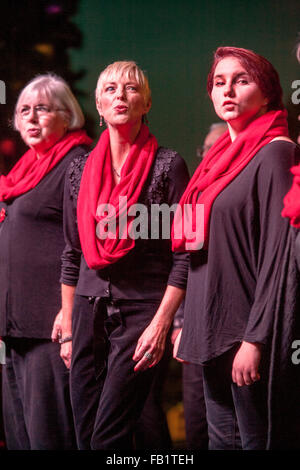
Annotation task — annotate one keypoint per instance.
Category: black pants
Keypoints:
(237, 416)
(108, 397)
(194, 407)
(36, 402)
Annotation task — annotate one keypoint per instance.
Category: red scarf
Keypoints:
(224, 161)
(98, 187)
(292, 199)
(30, 170)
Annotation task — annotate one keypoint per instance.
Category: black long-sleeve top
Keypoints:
(150, 266)
(31, 244)
(232, 288)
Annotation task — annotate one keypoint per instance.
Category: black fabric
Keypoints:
(31, 243)
(194, 407)
(36, 404)
(151, 430)
(249, 284)
(150, 266)
(236, 279)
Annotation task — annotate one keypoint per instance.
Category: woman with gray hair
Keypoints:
(36, 404)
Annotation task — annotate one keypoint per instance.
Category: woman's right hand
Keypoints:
(66, 353)
(66, 348)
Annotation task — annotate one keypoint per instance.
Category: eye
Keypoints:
(24, 110)
(42, 108)
(219, 83)
(243, 81)
(109, 88)
(132, 87)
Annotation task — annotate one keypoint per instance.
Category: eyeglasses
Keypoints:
(41, 110)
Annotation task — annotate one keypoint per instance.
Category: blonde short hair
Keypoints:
(127, 69)
(58, 92)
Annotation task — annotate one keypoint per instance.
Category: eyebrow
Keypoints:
(239, 74)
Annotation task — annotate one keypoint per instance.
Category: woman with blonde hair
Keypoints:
(128, 283)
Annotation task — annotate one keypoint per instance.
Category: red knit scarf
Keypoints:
(30, 170)
(292, 199)
(224, 161)
(97, 188)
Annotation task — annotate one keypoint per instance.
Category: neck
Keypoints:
(235, 127)
(121, 140)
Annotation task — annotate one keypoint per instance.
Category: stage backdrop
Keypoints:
(173, 41)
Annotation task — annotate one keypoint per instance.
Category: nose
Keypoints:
(121, 92)
(228, 89)
(32, 114)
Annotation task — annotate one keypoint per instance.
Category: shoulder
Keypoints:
(278, 156)
(279, 150)
(170, 161)
(273, 165)
(75, 170)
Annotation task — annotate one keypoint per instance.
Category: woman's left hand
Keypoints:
(150, 346)
(246, 363)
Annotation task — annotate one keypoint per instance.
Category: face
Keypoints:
(122, 102)
(236, 97)
(39, 122)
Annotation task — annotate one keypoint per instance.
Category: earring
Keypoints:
(101, 121)
(145, 119)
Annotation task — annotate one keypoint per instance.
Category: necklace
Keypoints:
(115, 171)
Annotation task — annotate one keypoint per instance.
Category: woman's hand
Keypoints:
(246, 363)
(66, 353)
(150, 346)
(61, 330)
(56, 329)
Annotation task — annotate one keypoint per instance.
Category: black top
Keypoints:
(31, 244)
(147, 269)
(232, 288)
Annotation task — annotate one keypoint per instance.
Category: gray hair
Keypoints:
(217, 125)
(58, 92)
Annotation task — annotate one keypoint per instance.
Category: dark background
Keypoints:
(172, 40)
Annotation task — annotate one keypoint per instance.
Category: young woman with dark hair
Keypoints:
(240, 316)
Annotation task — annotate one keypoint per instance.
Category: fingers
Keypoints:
(244, 377)
(56, 333)
(146, 359)
(66, 354)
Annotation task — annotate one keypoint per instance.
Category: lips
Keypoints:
(229, 103)
(33, 132)
(121, 108)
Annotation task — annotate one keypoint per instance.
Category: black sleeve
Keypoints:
(178, 180)
(72, 253)
(273, 182)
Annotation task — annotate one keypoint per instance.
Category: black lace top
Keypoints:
(145, 271)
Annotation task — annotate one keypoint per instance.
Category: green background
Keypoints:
(173, 41)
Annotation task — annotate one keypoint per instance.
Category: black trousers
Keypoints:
(37, 410)
(194, 407)
(237, 416)
(108, 397)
